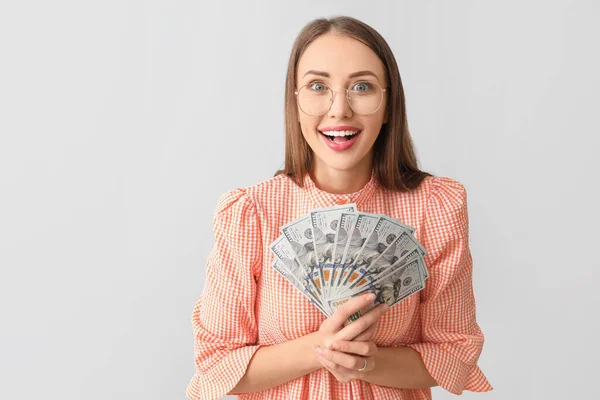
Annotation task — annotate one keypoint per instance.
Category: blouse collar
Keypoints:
(325, 199)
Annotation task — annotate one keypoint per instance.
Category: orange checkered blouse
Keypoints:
(246, 304)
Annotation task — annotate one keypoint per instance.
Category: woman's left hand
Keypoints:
(344, 358)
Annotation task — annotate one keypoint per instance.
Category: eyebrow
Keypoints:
(352, 75)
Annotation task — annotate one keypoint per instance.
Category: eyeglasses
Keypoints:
(316, 98)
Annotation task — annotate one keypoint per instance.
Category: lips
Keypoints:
(339, 133)
(339, 128)
(337, 143)
(342, 135)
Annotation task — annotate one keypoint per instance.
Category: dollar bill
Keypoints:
(363, 277)
(324, 225)
(404, 247)
(389, 224)
(335, 304)
(389, 228)
(392, 288)
(344, 232)
(303, 287)
(360, 239)
(299, 234)
(334, 254)
(283, 251)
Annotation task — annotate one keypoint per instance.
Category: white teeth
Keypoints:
(340, 133)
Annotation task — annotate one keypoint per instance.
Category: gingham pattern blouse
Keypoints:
(246, 304)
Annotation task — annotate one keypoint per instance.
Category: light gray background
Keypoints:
(122, 122)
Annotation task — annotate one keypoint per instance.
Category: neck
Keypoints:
(341, 181)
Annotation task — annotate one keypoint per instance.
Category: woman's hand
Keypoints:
(349, 360)
(343, 350)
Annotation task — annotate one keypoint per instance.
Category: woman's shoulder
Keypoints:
(446, 204)
(273, 185)
(440, 189)
(276, 187)
(445, 190)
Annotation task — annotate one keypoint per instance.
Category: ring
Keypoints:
(364, 366)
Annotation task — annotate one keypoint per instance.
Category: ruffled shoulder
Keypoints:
(232, 198)
(447, 208)
(446, 222)
(236, 224)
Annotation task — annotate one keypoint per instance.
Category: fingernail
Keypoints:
(319, 350)
(384, 308)
(336, 346)
(370, 297)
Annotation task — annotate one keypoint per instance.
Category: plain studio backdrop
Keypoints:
(123, 122)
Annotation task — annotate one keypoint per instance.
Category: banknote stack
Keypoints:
(336, 253)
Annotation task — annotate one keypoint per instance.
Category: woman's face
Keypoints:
(338, 57)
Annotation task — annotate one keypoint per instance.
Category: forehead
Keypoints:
(339, 56)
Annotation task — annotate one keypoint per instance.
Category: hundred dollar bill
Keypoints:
(283, 251)
(403, 246)
(345, 229)
(400, 283)
(360, 238)
(338, 302)
(389, 228)
(324, 225)
(393, 224)
(391, 288)
(299, 234)
(363, 277)
(303, 287)
(363, 227)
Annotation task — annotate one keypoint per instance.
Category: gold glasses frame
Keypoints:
(332, 97)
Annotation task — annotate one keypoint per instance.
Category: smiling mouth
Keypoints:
(339, 136)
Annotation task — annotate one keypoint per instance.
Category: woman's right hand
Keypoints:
(353, 340)
(336, 328)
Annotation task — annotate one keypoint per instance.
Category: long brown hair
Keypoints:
(394, 159)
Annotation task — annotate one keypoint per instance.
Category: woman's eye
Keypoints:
(317, 87)
(362, 87)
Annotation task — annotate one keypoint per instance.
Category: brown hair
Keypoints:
(394, 159)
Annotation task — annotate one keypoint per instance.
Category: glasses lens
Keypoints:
(365, 97)
(314, 99)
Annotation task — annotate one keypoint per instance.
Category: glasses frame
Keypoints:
(332, 97)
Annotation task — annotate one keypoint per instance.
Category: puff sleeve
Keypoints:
(451, 339)
(223, 319)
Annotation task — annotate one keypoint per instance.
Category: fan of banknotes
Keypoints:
(336, 253)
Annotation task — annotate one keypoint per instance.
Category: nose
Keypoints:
(340, 106)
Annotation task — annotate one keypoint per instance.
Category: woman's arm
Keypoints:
(399, 367)
(277, 364)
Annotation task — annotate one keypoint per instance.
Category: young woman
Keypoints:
(347, 141)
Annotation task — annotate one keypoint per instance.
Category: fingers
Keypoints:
(348, 361)
(368, 334)
(365, 349)
(350, 307)
(359, 326)
(331, 366)
(343, 375)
